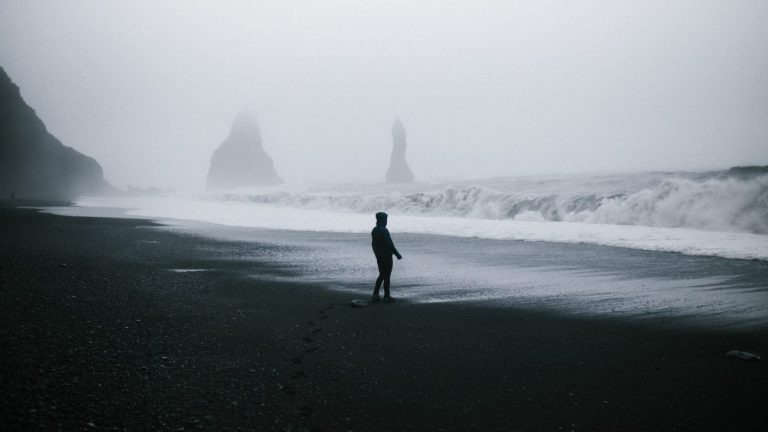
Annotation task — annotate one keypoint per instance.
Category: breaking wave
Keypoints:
(721, 201)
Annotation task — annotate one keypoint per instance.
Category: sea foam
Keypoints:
(728, 244)
(710, 201)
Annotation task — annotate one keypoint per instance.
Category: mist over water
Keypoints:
(489, 88)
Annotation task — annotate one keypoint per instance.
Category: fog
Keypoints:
(490, 88)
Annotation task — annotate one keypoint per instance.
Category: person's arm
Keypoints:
(391, 246)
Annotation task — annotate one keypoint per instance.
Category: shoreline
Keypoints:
(627, 283)
(97, 330)
(683, 240)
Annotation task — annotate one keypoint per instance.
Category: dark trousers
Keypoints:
(385, 271)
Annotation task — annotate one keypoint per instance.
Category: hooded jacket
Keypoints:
(381, 241)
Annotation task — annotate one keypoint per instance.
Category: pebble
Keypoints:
(743, 355)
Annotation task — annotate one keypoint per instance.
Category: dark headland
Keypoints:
(97, 334)
(34, 164)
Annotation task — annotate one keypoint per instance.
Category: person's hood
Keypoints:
(381, 219)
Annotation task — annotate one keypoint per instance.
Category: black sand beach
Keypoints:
(96, 333)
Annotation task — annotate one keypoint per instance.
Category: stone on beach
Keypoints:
(743, 355)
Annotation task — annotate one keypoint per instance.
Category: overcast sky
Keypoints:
(484, 88)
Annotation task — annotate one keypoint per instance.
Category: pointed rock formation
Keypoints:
(33, 163)
(399, 171)
(241, 160)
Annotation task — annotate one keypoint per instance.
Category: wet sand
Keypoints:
(96, 333)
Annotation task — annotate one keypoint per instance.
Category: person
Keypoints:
(383, 248)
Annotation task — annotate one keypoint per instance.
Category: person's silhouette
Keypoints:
(383, 248)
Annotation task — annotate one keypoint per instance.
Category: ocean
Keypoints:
(688, 245)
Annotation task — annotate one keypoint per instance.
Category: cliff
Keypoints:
(34, 163)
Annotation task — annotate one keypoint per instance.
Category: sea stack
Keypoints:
(399, 171)
(241, 160)
(34, 163)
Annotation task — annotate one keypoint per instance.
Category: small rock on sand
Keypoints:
(743, 355)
